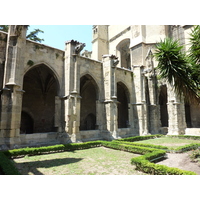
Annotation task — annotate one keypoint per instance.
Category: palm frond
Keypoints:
(174, 68)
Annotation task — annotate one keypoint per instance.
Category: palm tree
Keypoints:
(174, 68)
(194, 54)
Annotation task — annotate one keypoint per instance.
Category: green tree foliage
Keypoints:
(31, 36)
(4, 28)
(194, 54)
(175, 68)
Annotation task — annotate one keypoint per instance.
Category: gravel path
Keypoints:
(181, 161)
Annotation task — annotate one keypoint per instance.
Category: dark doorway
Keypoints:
(123, 120)
(40, 86)
(88, 92)
(163, 106)
(188, 116)
(26, 123)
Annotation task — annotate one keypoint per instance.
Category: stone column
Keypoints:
(140, 106)
(154, 119)
(109, 67)
(12, 89)
(176, 113)
(57, 118)
(72, 85)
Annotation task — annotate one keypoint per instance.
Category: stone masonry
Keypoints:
(50, 96)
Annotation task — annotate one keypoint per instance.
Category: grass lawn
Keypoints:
(169, 142)
(94, 161)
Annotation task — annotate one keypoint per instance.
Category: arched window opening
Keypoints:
(40, 86)
(163, 106)
(122, 98)
(88, 92)
(123, 52)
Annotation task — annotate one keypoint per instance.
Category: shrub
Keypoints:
(7, 166)
(138, 138)
(187, 147)
(142, 163)
(185, 137)
(50, 149)
(145, 145)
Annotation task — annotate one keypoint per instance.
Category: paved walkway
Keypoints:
(181, 161)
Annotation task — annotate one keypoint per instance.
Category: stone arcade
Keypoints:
(50, 96)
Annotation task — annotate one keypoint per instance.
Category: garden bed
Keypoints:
(95, 161)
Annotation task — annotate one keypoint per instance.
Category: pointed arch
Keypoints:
(123, 97)
(163, 106)
(41, 86)
(123, 52)
(51, 70)
(89, 92)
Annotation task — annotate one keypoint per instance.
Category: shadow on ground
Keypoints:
(32, 166)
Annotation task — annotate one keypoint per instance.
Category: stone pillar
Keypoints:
(109, 67)
(72, 85)
(140, 106)
(154, 117)
(176, 113)
(57, 119)
(12, 88)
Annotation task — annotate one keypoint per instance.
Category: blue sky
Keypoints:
(57, 35)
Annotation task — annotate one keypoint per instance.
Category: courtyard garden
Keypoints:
(139, 155)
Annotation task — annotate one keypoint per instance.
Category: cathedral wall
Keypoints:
(115, 35)
(94, 69)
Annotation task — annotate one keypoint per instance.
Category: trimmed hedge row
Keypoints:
(185, 137)
(145, 145)
(129, 148)
(142, 164)
(186, 147)
(7, 165)
(138, 138)
(50, 149)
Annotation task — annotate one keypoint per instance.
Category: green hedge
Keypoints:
(156, 169)
(187, 147)
(50, 149)
(145, 145)
(7, 165)
(184, 137)
(129, 148)
(138, 138)
(143, 163)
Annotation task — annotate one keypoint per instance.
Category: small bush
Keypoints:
(187, 147)
(7, 166)
(185, 137)
(138, 138)
(145, 145)
(50, 149)
(142, 163)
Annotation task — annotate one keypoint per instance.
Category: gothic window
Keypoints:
(123, 52)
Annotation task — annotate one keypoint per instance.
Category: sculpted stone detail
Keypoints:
(79, 48)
